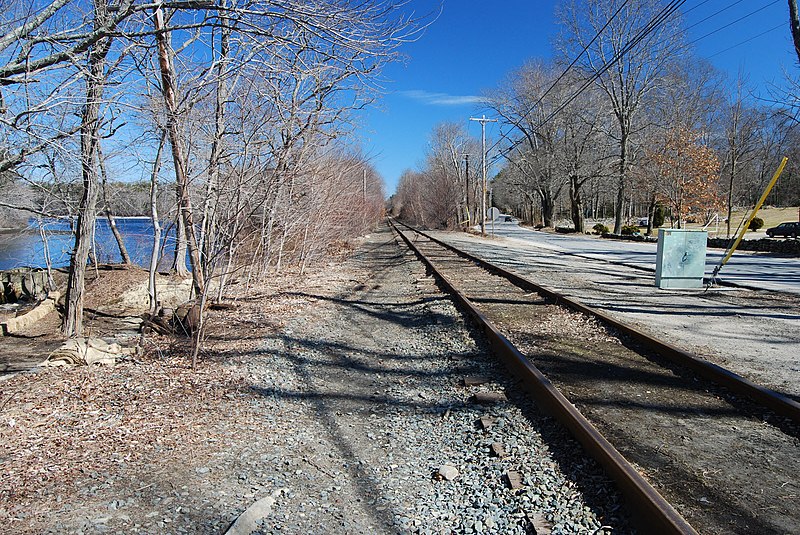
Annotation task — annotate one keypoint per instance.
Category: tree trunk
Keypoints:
(576, 204)
(90, 126)
(179, 261)
(730, 196)
(619, 206)
(651, 214)
(467, 196)
(51, 284)
(151, 281)
(223, 280)
(548, 208)
(178, 156)
(208, 229)
(285, 229)
(112, 223)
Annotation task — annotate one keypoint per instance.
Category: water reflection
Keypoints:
(25, 247)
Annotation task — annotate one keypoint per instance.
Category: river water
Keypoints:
(25, 247)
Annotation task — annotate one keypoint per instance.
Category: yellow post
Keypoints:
(752, 216)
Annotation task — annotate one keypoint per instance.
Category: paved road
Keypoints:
(758, 270)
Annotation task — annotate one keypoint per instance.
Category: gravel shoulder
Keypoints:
(339, 395)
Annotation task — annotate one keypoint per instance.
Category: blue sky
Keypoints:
(474, 44)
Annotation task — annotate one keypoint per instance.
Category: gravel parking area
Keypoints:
(340, 396)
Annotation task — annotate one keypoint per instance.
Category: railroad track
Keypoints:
(688, 442)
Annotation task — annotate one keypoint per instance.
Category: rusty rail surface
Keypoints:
(775, 401)
(651, 512)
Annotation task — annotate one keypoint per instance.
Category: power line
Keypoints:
(578, 57)
(659, 18)
(646, 30)
(762, 8)
(701, 4)
(572, 64)
(701, 21)
(781, 25)
(656, 21)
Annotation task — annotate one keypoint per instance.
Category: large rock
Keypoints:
(447, 472)
(16, 284)
(20, 323)
(248, 522)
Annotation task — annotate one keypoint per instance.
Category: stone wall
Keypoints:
(767, 245)
(21, 283)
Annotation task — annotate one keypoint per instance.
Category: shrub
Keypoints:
(600, 228)
(659, 215)
(629, 230)
(756, 223)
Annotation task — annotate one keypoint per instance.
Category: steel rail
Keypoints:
(651, 512)
(775, 401)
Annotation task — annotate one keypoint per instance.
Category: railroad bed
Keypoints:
(753, 333)
(724, 462)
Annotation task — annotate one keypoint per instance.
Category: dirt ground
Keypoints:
(153, 446)
(85, 442)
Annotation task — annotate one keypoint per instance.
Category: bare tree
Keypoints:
(626, 60)
(438, 194)
(741, 141)
(152, 290)
(520, 102)
(176, 140)
(688, 100)
(560, 145)
(112, 223)
(90, 127)
(306, 66)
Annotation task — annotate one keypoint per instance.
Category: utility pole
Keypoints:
(466, 182)
(491, 203)
(483, 120)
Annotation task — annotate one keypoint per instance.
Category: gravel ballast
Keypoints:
(378, 369)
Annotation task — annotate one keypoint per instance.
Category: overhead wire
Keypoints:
(762, 8)
(701, 4)
(658, 19)
(646, 30)
(572, 64)
(577, 58)
(711, 16)
(781, 25)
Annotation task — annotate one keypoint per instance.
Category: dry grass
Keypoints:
(772, 216)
